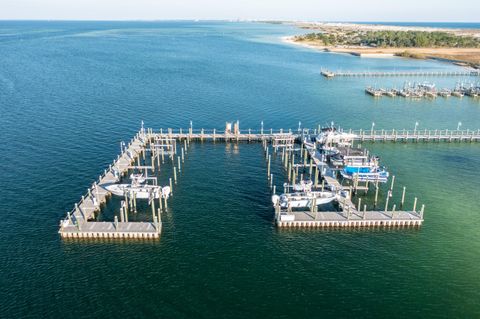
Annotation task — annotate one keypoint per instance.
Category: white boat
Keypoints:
(303, 186)
(329, 150)
(331, 136)
(299, 200)
(141, 191)
(139, 188)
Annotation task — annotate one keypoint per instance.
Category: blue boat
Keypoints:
(365, 173)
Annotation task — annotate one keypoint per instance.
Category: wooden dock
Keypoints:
(417, 135)
(331, 74)
(392, 135)
(81, 222)
(353, 219)
(348, 214)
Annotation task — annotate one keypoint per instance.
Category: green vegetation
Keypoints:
(408, 54)
(386, 39)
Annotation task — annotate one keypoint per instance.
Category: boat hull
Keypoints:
(298, 200)
(141, 192)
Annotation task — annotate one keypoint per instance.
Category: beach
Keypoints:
(462, 56)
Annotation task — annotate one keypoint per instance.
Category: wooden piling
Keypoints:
(268, 165)
(386, 201)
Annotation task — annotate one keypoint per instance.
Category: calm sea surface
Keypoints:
(71, 91)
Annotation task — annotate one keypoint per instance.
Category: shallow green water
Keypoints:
(70, 92)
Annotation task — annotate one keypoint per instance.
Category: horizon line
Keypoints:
(236, 20)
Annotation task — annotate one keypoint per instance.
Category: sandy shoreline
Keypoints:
(379, 27)
(461, 56)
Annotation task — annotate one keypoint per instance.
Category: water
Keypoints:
(443, 25)
(71, 91)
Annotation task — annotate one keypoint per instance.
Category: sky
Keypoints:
(320, 10)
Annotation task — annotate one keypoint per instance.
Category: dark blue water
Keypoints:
(71, 91)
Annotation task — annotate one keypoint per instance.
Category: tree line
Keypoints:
(408, 39)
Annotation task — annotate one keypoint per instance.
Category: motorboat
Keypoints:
(138, 188)
(303, 199)
(140, 192)
(303, 186)
(331, 136)
(371, 173)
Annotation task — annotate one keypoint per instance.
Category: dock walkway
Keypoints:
(349, 215)
(331, 74)
(78, 223)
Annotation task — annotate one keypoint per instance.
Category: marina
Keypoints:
(72, 91)
(426, 90)
(147, 151)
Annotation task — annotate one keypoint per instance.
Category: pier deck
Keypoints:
(417, 135)
(331, 74)
(352, 219)
(392, 135)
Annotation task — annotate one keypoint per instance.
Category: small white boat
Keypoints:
(331, 136)
(139, 188)
(299, 200)
(303, 186)
(140, 191)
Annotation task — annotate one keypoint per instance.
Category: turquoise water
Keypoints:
(71, 91)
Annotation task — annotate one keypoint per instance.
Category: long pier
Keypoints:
(331, 74)
(393, 135)
(417, 135)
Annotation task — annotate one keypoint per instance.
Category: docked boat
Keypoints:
(371, 173)
(391, 93)
(138, 188)
(331, 136)
(426, 86)
(303, 186)
(458, 93)
(303, 199)
(140, 191)
(374, 92)
(445, 93)
(329, 150)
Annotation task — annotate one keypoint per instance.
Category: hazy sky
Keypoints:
(338, 10)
